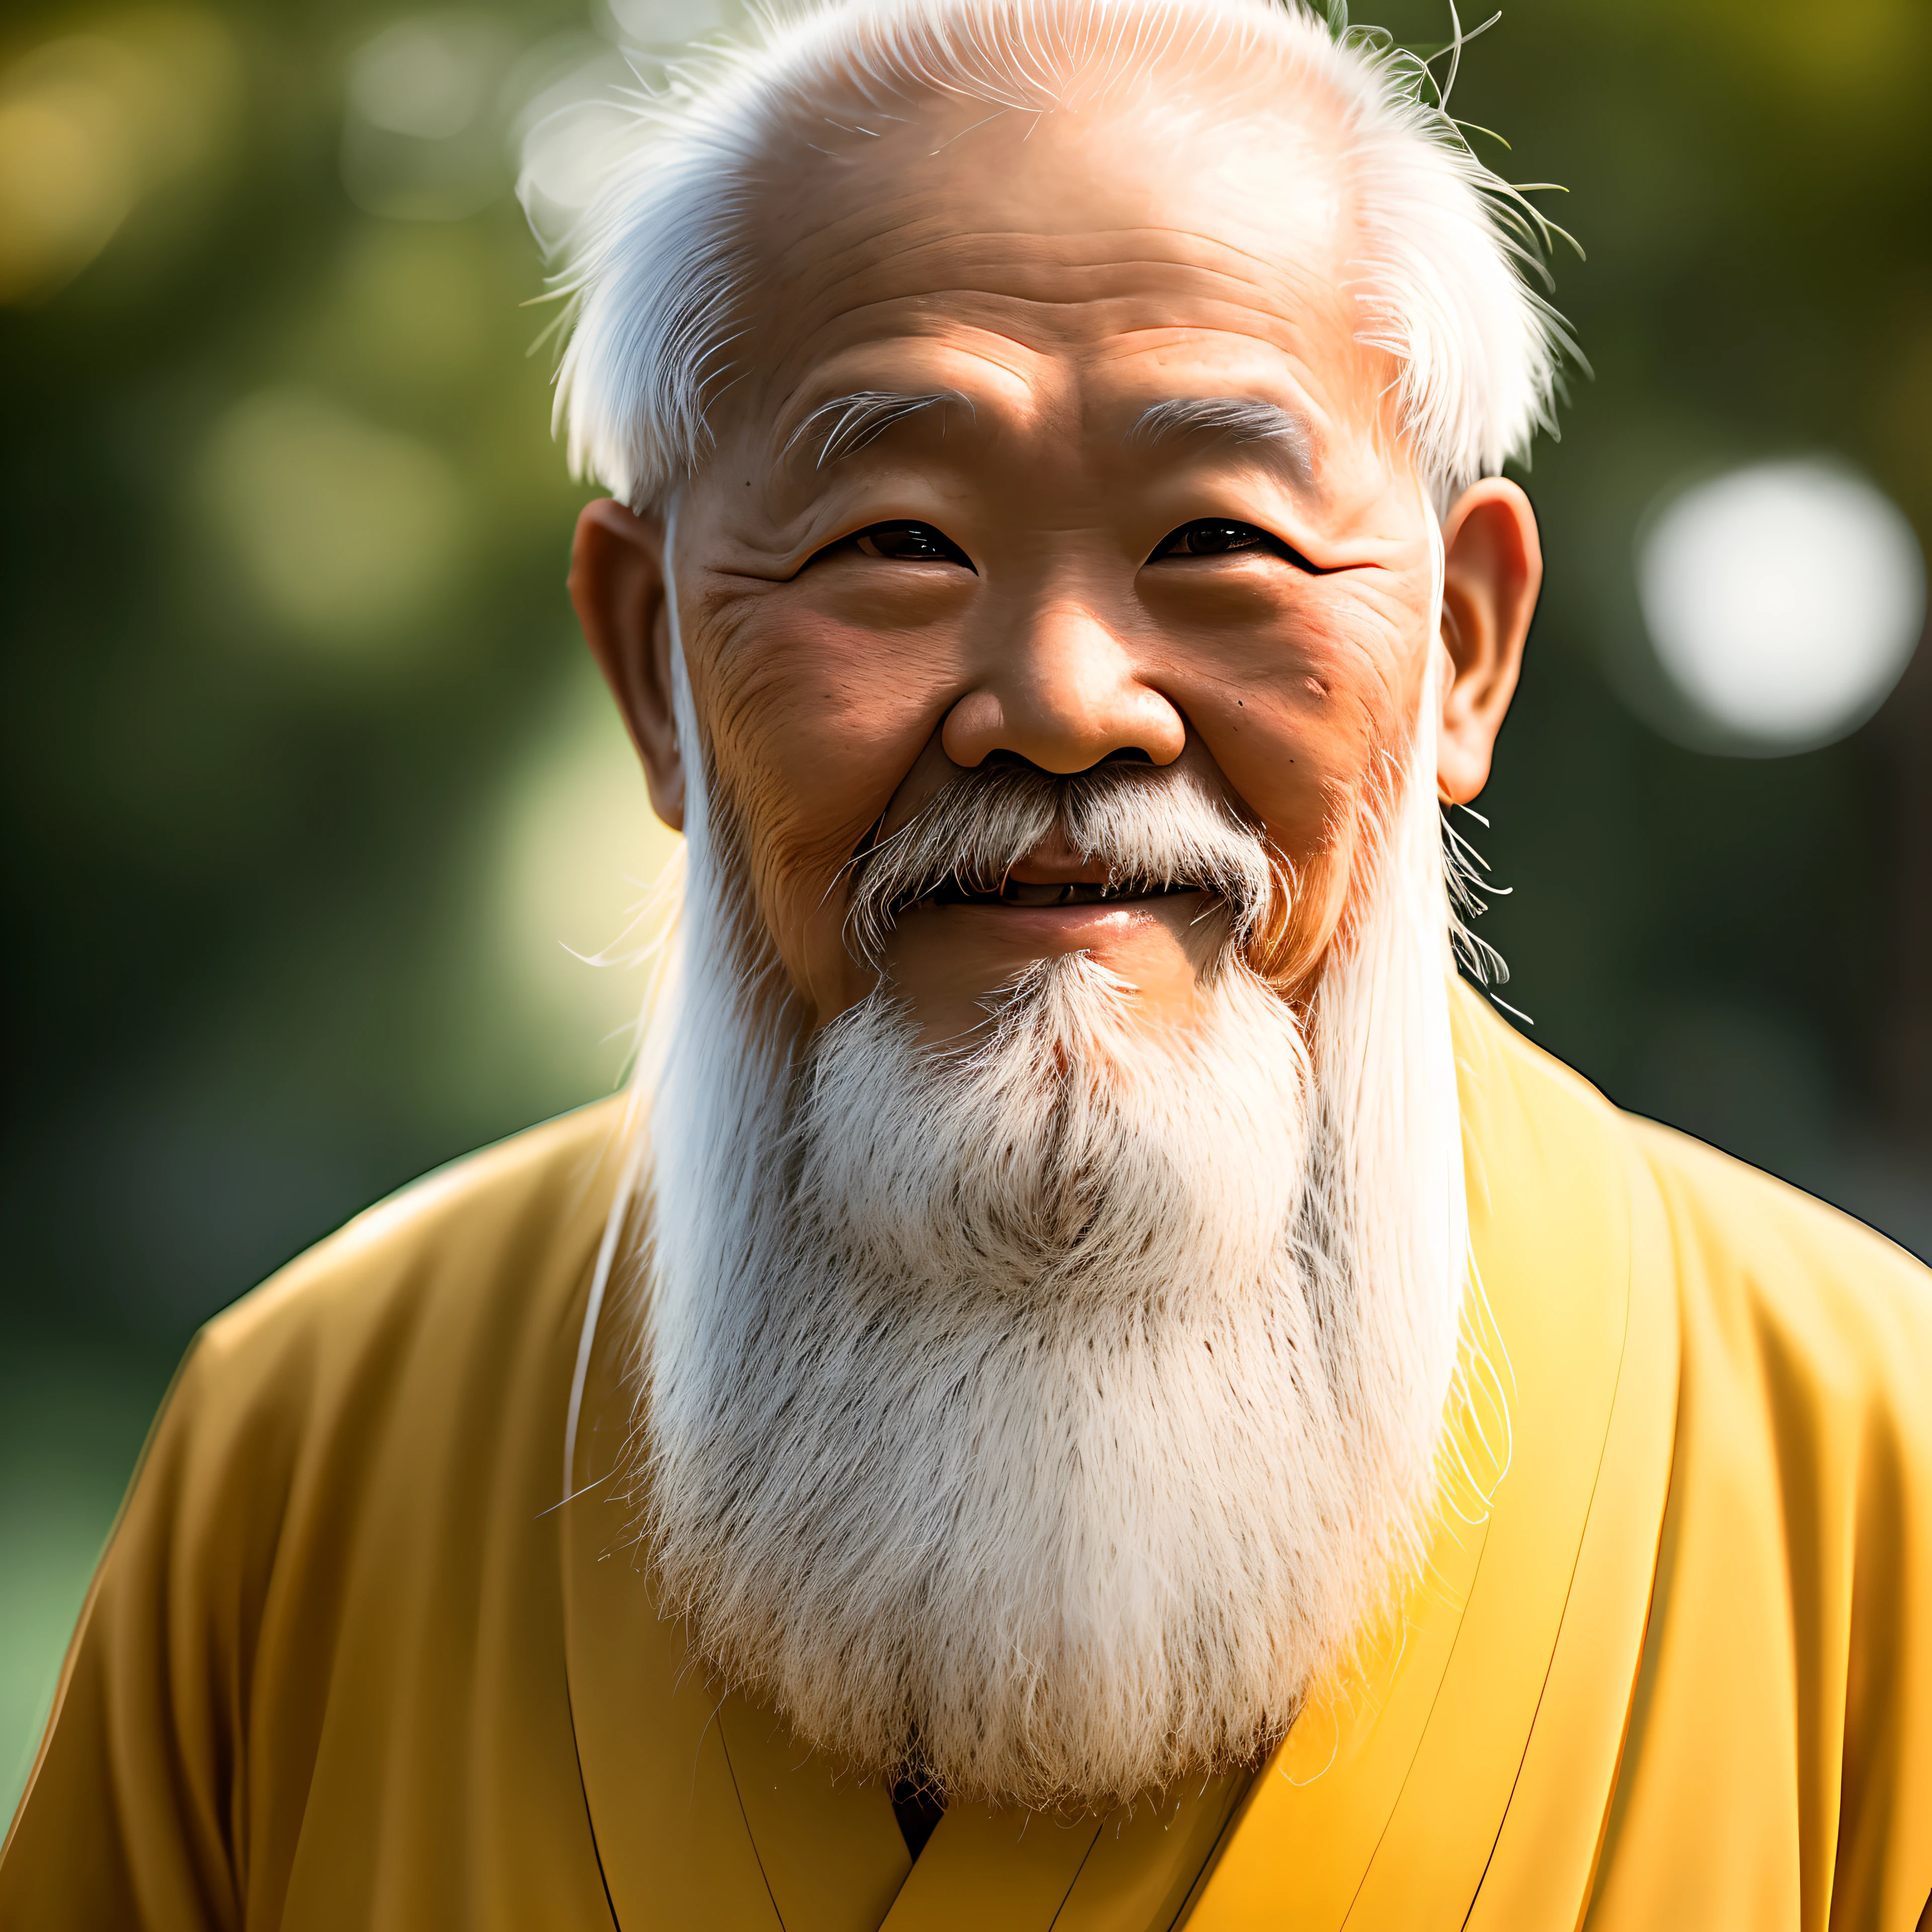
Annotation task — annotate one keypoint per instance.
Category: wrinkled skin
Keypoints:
(1060, 276)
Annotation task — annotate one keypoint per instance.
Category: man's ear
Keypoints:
(617, 585)
(1492, 569)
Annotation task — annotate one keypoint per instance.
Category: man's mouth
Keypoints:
(954, 889)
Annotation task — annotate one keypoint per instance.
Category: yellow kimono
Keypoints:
(348, 1662)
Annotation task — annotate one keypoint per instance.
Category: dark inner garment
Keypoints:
(918, 1809)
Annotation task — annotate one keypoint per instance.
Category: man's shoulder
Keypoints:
(1738, 1219)
(1788, 1292)
(1755, 1259)
(477, 1264)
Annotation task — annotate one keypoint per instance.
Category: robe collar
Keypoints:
(1459, 1773)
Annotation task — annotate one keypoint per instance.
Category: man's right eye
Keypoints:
(910, 543)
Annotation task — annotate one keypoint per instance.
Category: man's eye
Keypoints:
(1214, 536)
(910, 543)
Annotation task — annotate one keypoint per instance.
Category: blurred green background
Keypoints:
(309, 789)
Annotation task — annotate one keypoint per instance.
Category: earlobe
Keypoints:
(1492, 570)
(617, 587)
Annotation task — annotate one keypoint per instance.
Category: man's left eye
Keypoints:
(1214, 536)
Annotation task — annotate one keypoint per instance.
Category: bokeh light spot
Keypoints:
(1783, 600)
(92, 123)
(347, 532)
(422, 137)
(563, 145)
(659, 23)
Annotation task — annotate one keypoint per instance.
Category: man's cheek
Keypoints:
(1296, 719)
(816, 727)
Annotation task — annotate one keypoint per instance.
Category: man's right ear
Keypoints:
(617, 585)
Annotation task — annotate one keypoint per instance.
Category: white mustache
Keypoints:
(1155, 829)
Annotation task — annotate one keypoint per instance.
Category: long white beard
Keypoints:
(1044, 1419)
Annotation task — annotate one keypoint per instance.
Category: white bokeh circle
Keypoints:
(1783, 600)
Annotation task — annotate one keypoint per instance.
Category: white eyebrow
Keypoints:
(1234, 418)
(850, 422)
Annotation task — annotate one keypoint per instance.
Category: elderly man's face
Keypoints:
(1083, 553)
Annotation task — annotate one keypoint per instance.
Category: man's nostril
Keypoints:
(1012, 760)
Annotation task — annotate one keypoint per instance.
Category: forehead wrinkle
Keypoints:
(1016, 263)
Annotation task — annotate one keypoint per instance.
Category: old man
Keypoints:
(1094, 1384)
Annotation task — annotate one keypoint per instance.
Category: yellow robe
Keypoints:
(347, 1664)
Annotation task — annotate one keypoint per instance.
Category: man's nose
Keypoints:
(1064, 695)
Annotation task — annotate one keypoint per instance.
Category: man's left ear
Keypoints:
(1492, 569)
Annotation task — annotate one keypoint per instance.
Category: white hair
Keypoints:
(656, 268)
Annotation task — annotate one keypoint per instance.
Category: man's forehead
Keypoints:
(1059, 269)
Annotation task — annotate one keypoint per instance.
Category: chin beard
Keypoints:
(1041, 1418)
